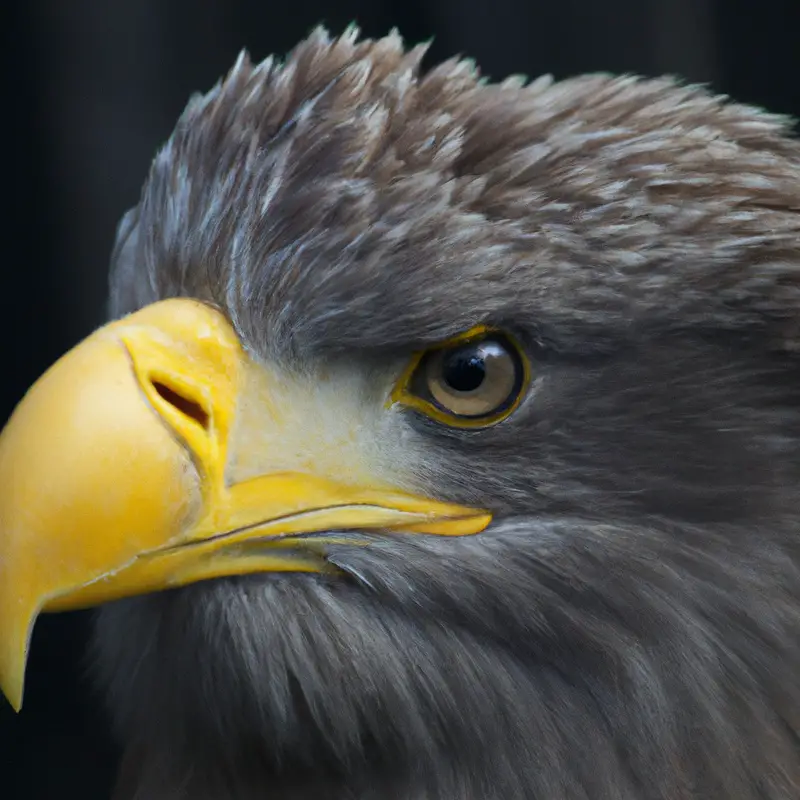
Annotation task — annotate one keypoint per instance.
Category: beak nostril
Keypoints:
(185, 405)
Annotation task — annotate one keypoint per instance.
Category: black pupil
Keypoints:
(464, 370)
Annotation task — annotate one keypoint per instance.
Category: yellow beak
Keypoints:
(113, 479)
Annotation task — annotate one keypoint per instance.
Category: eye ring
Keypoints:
(474, 380)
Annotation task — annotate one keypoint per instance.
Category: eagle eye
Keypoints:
(475, 380)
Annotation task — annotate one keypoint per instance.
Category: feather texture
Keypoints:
(629, 627)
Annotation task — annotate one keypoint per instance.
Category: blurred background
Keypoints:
(95, 86)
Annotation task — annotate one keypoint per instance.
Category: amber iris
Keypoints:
(475, 380)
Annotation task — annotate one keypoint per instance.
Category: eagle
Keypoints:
(443, 443)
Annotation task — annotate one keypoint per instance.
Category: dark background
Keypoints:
(94, 86)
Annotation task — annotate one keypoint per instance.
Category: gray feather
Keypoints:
(629, 627)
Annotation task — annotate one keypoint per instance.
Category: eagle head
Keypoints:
(443, 444)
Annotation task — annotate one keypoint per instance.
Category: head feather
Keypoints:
(290, 184)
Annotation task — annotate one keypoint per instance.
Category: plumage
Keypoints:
(628, 626)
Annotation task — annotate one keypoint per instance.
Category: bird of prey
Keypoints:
(443, 443)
